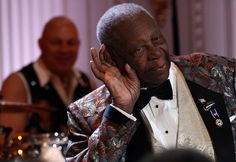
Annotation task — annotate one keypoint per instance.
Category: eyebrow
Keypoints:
(147, 38)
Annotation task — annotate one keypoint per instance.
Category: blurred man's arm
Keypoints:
(13, 89)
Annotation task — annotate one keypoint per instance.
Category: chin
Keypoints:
(62, 72)
(154, 80)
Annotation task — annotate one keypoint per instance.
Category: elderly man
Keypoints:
(151, 101)
(51, 81)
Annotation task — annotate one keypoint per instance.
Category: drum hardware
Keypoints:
(5, 131)
(27, 146)
(31, 146)
(8, 106)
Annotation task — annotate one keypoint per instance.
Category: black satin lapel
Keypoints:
(221, 137)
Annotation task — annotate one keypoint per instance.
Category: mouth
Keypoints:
(64, 56)
(158, 69)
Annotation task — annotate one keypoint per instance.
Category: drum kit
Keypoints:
(22, 147)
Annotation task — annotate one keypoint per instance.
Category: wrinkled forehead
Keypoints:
(130, 30)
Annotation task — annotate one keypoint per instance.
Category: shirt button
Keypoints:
(157, 106)
(166, 131)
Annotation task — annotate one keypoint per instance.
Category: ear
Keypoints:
(115, 59)
(40, 43)
(109, 57)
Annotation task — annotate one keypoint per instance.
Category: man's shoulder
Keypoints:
(94, 102)
(28, 67)
(211, 71)
(198, 59)
(204, 63)
(28, 73)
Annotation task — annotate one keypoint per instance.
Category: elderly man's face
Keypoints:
(146, 50)
(59, 47)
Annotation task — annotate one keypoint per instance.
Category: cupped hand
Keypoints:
(124, 88)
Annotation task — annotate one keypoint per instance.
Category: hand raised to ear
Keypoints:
(123, 88)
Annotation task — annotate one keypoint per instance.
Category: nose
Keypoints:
(154, 52)
(64, 48)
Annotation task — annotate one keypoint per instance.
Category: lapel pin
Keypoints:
(219, 122)
(210, 106)
(216, 116)
(206, 105)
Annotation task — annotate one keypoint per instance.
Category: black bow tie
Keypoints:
(164, 92)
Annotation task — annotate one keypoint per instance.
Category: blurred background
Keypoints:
(189, 26)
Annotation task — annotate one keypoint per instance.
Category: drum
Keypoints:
(34, 146)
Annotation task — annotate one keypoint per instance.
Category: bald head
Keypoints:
(59, 45)
(57, 22)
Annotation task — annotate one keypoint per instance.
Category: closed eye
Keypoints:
(140, 51)
(155, 40)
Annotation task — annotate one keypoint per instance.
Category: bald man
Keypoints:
(50, 81)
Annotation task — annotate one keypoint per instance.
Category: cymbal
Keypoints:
(8, 106)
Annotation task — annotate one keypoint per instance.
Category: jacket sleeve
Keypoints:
(102, 136)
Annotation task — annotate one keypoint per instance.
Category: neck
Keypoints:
(65, 78)
(66, 82)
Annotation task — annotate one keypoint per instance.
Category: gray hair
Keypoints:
(125, 12)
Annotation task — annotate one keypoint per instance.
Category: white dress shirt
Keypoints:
(163, 116)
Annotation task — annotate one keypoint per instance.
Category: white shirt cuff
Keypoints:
(130, 116)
